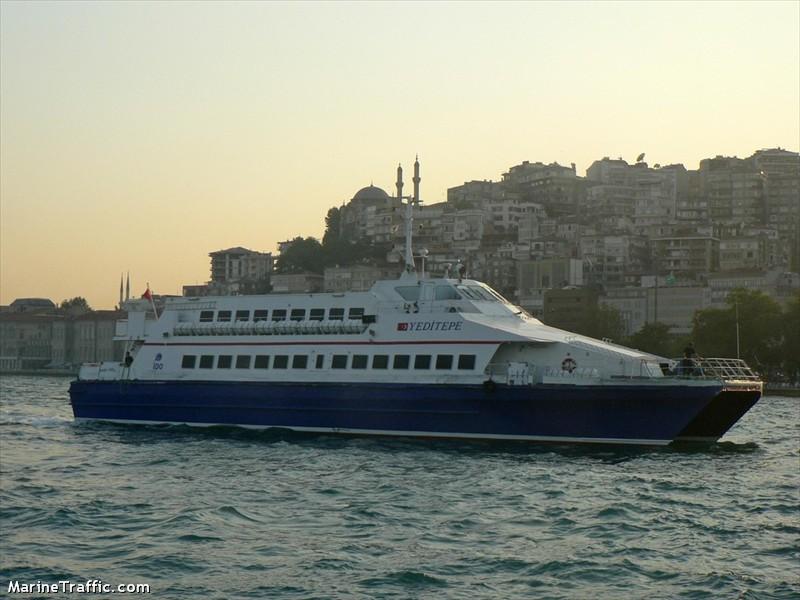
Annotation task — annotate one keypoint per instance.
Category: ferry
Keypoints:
(419, 356)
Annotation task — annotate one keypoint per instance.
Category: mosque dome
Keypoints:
(371, 194)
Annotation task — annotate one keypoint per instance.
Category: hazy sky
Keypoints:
(141, 136)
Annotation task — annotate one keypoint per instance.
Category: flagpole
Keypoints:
(153, 302)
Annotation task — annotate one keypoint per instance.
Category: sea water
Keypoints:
(230, 513)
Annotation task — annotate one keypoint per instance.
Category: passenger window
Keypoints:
(359, 361)
(320, 361)
(299, 361)
(224, 316)
(242, 315)
(298, 314)
(188, 361)
(339, 361)
(279, 314)
(206, 316)
(444, 362)
(401, 361)
(380, 361)
(336, 314)
(422, 361)
(207, 361)
(355, 314)
(243, 361)
(466, 362)
(261, 362)
(317, 314)
(260, 315)
(281, 361)
(224, 361)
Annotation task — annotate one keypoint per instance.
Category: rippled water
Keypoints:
(227, 513)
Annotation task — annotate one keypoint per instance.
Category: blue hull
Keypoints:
(610, 414)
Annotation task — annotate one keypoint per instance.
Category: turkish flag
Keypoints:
(147, 294)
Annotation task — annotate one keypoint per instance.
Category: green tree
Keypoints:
(332, 222)
(302, 255)
(791, 339)
(760, 329)
(654, 338)
(77, 305)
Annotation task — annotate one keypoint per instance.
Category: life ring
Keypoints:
(568, 364)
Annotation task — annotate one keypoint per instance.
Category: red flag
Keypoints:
(147, 294)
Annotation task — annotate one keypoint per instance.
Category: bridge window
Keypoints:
(206, 316)
(242, 315)
(359, 361)
(261, 362)
(336, 314)
(188, 361)
(243, 361)
(380, 361)
(444, 362)
(279, 314)
(207, 361)
(445, 292)
(408, 292)
(281, 361)
(298, 314)
(355, 314)
(401, 361)
(224, 361)
(339, 361)
(260, 315)
(422, 361)
(317, 314)
(466, 362)
(224, 316)
(299, 361)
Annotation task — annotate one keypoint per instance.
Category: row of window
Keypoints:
(441, 362)
(280, 314)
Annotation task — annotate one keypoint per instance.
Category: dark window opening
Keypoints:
(242, 315)
(401, 361)
(279, 314)
(224, 316)
(355, 314)
(339, 361)
(188, 361)
(444, 361)
(224, 361)
(336, 314)
(422, 361)
(466, 361)
(359, 361)
(243, 361)
(206, 361)
(299, 361)
(260, 315)
(281, 361)
(320, 361)
(298, 314)
(317, 314)
(380, 361)
(261, 362)
(206, 316)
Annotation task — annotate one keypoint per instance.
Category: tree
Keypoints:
(654, 338)
(791, 339)
(76, 305)
(332, 223)
(301, 256)
(760, 329)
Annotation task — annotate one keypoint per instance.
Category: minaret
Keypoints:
(416, 180)
(128, 287)
(120, 290)
(399, 182)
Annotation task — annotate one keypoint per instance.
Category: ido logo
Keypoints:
(157, 364)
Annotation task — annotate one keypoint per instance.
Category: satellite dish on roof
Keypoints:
(640, 158)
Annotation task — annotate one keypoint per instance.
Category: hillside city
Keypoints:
(624, 247)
